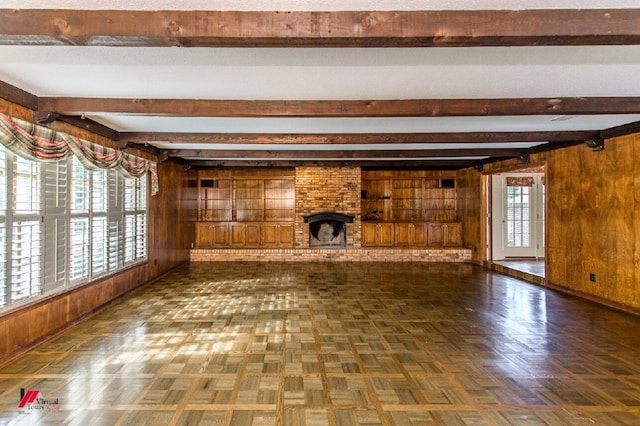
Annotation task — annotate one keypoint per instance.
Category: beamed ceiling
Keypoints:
(441, 89)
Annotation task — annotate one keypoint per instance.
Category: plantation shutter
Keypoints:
(56, 195)
(115, 241)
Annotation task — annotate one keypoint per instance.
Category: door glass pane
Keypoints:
(518, 216)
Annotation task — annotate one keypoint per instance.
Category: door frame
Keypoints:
(497, 216)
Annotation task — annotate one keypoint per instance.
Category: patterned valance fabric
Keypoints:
(40, 143)
(519, 180)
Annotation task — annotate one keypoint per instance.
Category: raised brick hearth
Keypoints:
(333, 255)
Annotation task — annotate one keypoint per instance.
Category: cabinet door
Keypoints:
(252, 234)
(286, 234)
(377, 234)
(369, 231)
(434, 234)
(452, 234)
(203, 235)
(385, 234)
(277, 234)
(237, 234)
(211, 234)
(219, 234)
(269, 233)
(244, 234)
(419, 236)
(403, 234)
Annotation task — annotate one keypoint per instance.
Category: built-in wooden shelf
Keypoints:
(245, 208)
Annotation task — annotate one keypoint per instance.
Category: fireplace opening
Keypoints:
(328, 229)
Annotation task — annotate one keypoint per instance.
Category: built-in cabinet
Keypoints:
(277, 234)
(411, 234)
(409, 209)
(245, 208)
(444, 234)
(377, 234)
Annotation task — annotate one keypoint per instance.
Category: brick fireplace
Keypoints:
(328, 229)
(327, 189)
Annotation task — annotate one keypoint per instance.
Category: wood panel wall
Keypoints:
(471, 207)
(593, 211)
(593, 218)
(170, 235)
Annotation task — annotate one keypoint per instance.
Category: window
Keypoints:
(518, 216)
(26, 231)
(135, 219)
(62, 225)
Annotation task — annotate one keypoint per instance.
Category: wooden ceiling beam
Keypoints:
(423, 164)
(343, 108)
(341, 154)
(623, 130)
(18, 96)
(357, 138)
(320, 29)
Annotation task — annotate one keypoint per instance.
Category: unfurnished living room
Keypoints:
(335, 213)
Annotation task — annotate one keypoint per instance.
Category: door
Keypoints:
(518, 226)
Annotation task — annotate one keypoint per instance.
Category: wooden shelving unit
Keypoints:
(406, 199)
(215, 200)
(251, 209)
(418, 208)
(279, 199)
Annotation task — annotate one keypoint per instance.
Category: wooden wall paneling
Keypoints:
(611, 203)
(471, 209)
(555, 258)
(171, 214)
(15, 110)
(585, 220)
(568, 197)
(592, 221)
(634, 298)
(620, 176)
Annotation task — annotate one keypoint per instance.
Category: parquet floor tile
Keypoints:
(335, 344)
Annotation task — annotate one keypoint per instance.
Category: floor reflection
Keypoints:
(534, 267)
(269, 343)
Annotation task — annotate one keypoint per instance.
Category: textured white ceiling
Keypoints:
(132, 123)
(409, 73)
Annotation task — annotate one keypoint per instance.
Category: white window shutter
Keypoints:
(55, 224)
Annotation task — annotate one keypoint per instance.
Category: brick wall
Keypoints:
(327, 189)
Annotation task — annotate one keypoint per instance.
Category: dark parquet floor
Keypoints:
(335, 344)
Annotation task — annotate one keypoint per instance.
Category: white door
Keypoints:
(518, 214)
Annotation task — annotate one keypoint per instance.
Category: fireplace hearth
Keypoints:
(328, 229)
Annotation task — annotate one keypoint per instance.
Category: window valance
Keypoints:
(40, 143)
(519, 180)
